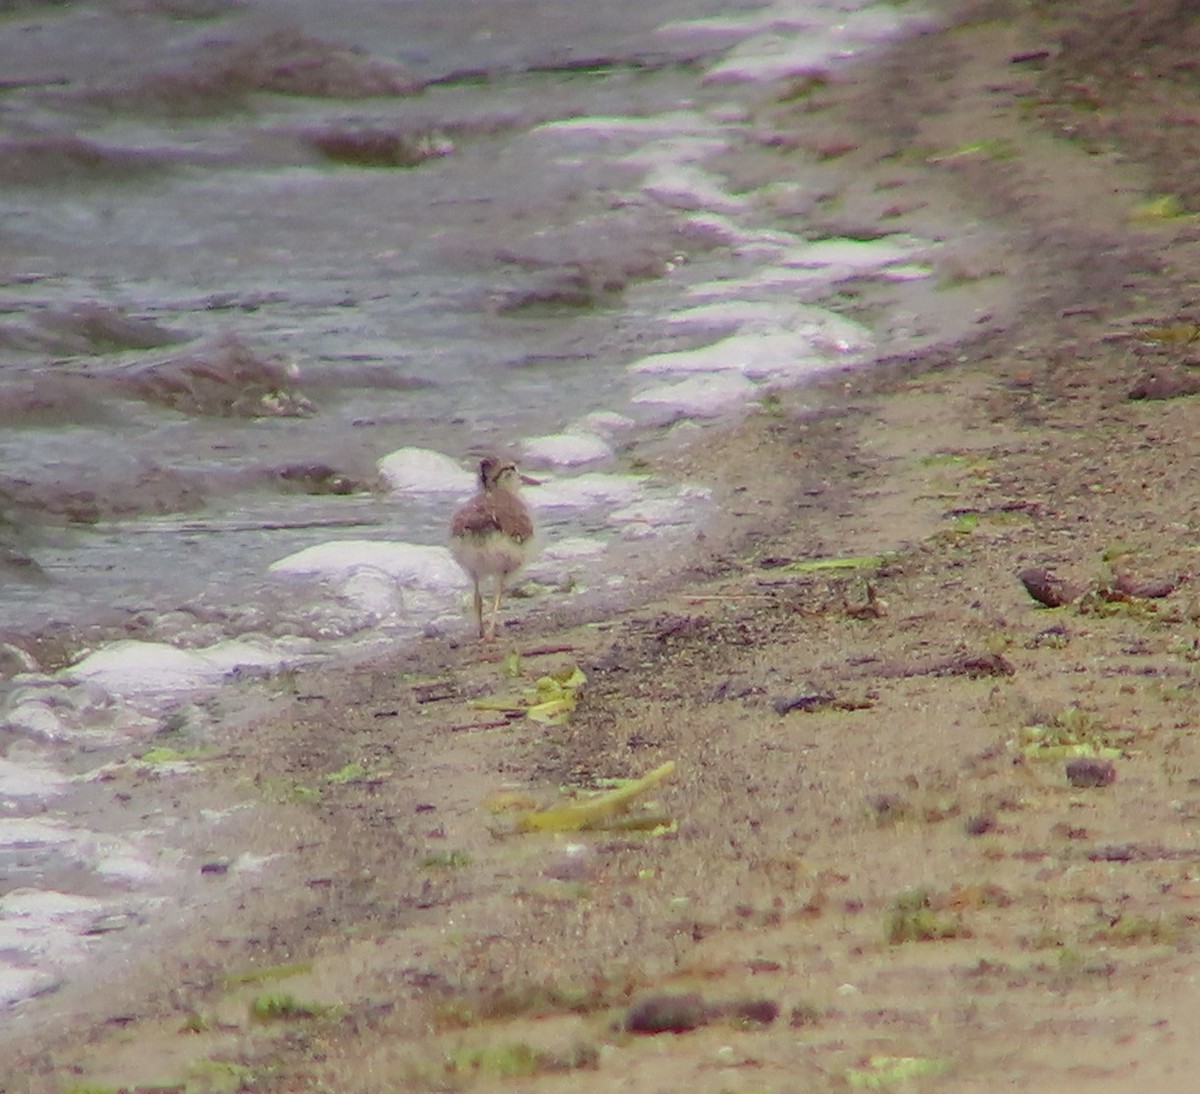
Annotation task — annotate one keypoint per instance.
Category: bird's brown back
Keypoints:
(495, 510)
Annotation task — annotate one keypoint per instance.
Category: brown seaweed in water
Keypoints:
(284, 62)
(85, 330)
(222, 379)
(47, 161)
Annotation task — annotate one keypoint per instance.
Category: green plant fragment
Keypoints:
(883, 1072)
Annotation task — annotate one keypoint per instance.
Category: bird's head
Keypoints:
(495, 473)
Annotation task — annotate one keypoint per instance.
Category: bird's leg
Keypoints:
(491, 631)
(479, 607)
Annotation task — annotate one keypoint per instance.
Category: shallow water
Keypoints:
(213, 334)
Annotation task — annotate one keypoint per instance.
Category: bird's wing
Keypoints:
(474, 518)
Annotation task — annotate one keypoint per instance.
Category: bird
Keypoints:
(491, 535)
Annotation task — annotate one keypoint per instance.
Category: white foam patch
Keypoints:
(408, 564)
(134, 668)
(777, 17)
(605, 423)
(35, 719)
(22, 832)
(718, 228)
(687, 187)
(787, 356)
(733, 315)
(652, 127)
(675, 152)
(911, 271)
(858, 256)
(799, 284)
(573, 548)
(774, 281)
(38, 907)
(128, 869)
(29, 780)
(836, 332)
(18, 983)
(768, 57)
(790, 46)
(372, 591)
(585, 491)
(424, 471)
(827, 330)
(44, 925)
(568, 449)
(703, 396)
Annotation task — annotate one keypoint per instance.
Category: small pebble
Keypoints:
(1088, 771)
(980, 824)
(667, 1014)
(756, 1011)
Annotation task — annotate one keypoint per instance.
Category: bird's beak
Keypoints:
(529, 480)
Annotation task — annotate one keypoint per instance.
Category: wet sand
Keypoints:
(880, 872)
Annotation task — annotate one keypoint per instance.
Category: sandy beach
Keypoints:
(929, 690)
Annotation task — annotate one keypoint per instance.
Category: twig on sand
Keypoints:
(545, 651)
(468, 727)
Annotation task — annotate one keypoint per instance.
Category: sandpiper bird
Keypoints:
(492, 533)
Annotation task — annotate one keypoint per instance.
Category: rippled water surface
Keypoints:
(261, 260)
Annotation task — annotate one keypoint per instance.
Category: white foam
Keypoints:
(669, 152)
(18, 983)
(654, 126)
(702, 396)
(23, 832)
(424, 471)
(604, 423)
(772, 17)
(131, 668)
(29, 780)
(799, 285)
(372, 591)
(569, 449)
(789, 46)
(44, 925)
(909, 271)
(584, 491)
(718, 228)
(836, 332)
(857, 256)
(42, 906)
(126, 868)
(572, 548)
(685, 186)
(408, 564)
(732, 315)
(35, 719)
(768, 57)
(787, 355)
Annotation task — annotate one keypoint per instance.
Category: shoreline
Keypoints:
(438, 946)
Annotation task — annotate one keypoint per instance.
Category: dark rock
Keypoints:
(1165, 384)
(1048, 589)
(980, 824)
(1152, 588)
(808, 701)
(1087, 771)
(757, 1011)
(667, 1014)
